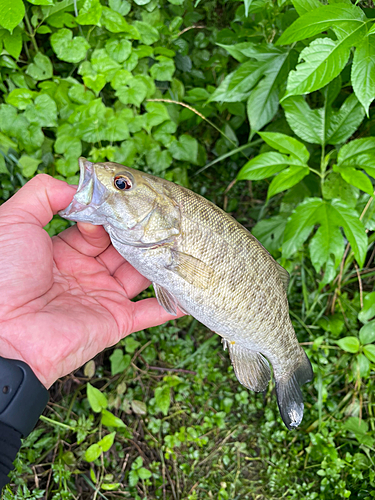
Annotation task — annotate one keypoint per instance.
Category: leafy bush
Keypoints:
(209, 94)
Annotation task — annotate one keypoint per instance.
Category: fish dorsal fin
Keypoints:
(191, 269)
(251, 368)
(167, 301)
(284, 276)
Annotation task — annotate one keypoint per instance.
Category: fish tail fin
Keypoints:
(289, 394)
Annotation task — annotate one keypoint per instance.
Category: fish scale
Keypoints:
(204, 262)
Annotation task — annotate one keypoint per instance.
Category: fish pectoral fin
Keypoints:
(166, 299)
(284, 276)
(289, 394)
(251, 368)
(191, 269)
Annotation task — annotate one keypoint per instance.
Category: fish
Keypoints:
(206, 264)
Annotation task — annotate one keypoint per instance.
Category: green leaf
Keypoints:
(114, 22)
(133, 478)
(95, 82)
(11, 13)
(349, 344)
(20, 98)
(351, 153)
(367, 333)
(323, 59)
(131, 344)
(335, 187)
(144, 473)
(163, 398)
(68, 145)
(135, 92)
(110, 486)
(43, 111)
(29, 165)
(90, 12)
(369, 351)
(363, 72)
(164, 69)
(327, 243)
(13, 43)
(286, 144)
(359, 428)
(158, 160)
(304, 121)
(303, 6)
(368, 310)
(263, 166)
(118, 49)
(106, 443)
(157, 113)
(98, 400)
(139, 407)
(3, 167)
(355, 178)
(41, 68)
(185, 149)
(270, 232)
(67, 48)
(148, 33)
(287, 179)
(363, 366)
(340, 125)
(110, 420)
(341, 16)
(116, 127)
(119, 361)
(93, 452)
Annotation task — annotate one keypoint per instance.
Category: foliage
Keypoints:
(209, 94)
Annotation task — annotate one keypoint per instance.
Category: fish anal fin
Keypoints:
(289, 394)
(191, 269)
(284, 276)
(167, 301)
(251, 368)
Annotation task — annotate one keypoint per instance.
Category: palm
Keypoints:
(63, 301)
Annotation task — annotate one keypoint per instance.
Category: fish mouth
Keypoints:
(89, 196)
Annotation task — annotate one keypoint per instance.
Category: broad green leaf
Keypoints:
(359, 428)
(340, 125)
(368, 310)
(114, 22)
(351, 153)
(270, 232)
(29, 165)
(305, 122)
(131, 345)
(110, 420)
(98, 400)
(119, 361)
(133, 478)
(144, 473)
(303, 6)
(3, 167)
(355, 178)
(367, 333)
(263, 166)
(41, 68)
(363, 72)
(139, 407)
(157, 113)
(41, 2)
(349, 344)
(327, 242)
(13, 42)
(20, 98)
(43, 111)
(90, 12)
(335, 187)
(287, 179)
(123, 7)
(95, 82)
(185, 149)
(116, 128)
(11, 13)
(263, 103)
(135, 92)
(236, 86)
(286, 144)
(148, 33)
(237, 50)
(110, 486)
(323, 60)
(69, 145)
(104, 64)
(163, 398)
(363, 366)
(93, 452)
(369, 351)
(164, 69)
(67, 48)
(106, 443)
(158, 160)
(118, 49)
(319, 20)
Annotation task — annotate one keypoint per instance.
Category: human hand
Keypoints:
(66, 298)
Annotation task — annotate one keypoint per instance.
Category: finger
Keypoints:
(95, 236)
(148, 313)
(76, 240)
(37, 201)
(132, 281)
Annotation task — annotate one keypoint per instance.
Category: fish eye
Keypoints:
(122, 183)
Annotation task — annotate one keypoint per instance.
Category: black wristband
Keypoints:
(22, 396)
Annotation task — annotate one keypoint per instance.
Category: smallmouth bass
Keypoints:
(203, 262)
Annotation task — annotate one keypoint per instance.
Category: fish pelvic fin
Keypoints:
(251, 368)
(289, 394)
(167, 300)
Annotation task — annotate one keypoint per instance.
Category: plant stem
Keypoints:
(31, 32)
(54, 422)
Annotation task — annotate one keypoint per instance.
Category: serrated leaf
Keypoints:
(185, 149)
(351, 153)
(349, 344)
(340, 125)
(304, 121)
(93, 452)
(368, 310)
(263, 103)
(369, 351)
(319, 20)
(367, 333)
(67, 48)
(263, 166)
(41, 68)
(110, 420)
(98, 400)
(363, 72)
(323, 60)
(355, 178)
(287, 179)
(286, 144)
(106, 443)
(335, 187)
(11, 13)
(163, 398)
(327, 243)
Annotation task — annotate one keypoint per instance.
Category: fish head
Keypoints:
(122, 198)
